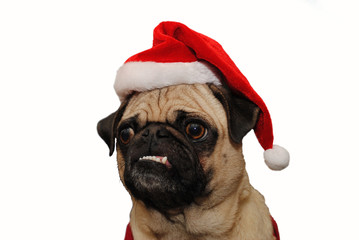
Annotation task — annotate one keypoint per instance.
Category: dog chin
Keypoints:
(165, 183)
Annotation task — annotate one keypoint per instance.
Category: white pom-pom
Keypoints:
(276, 158)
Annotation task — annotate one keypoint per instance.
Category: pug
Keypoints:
(179, 155)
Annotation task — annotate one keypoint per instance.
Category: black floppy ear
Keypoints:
(242, 114)
(106, 127)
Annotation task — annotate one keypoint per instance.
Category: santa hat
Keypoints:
(180, 55)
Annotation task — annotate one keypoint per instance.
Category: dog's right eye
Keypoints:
(126, 135)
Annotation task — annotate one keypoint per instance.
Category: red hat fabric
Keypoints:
(180, 55)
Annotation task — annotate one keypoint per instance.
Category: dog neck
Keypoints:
(224, 219)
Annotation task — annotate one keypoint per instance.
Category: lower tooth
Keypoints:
(155, 159)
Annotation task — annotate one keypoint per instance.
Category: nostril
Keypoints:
(155, 132)
(162, 133)
(146, 133)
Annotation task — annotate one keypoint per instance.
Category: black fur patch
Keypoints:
(155, 184)
(242, 114)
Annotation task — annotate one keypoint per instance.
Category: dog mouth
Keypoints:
(164, 180)
(162, 169)
(159, 159)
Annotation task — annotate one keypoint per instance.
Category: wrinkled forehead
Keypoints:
(165, 104)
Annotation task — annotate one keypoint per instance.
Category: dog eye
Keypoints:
(196, 131)
(126, 135)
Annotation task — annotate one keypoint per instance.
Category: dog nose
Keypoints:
(162, 133)
(155, 136)
(156, 131)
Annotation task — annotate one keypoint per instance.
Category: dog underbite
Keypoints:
(162, 161)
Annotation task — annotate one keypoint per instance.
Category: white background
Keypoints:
(58, 61)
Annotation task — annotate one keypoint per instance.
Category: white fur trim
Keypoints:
(276, 158)
(143, 76)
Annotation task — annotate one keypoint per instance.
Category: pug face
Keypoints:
(180, 145)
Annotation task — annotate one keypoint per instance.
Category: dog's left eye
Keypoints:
(196, 131)
(126, 135)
